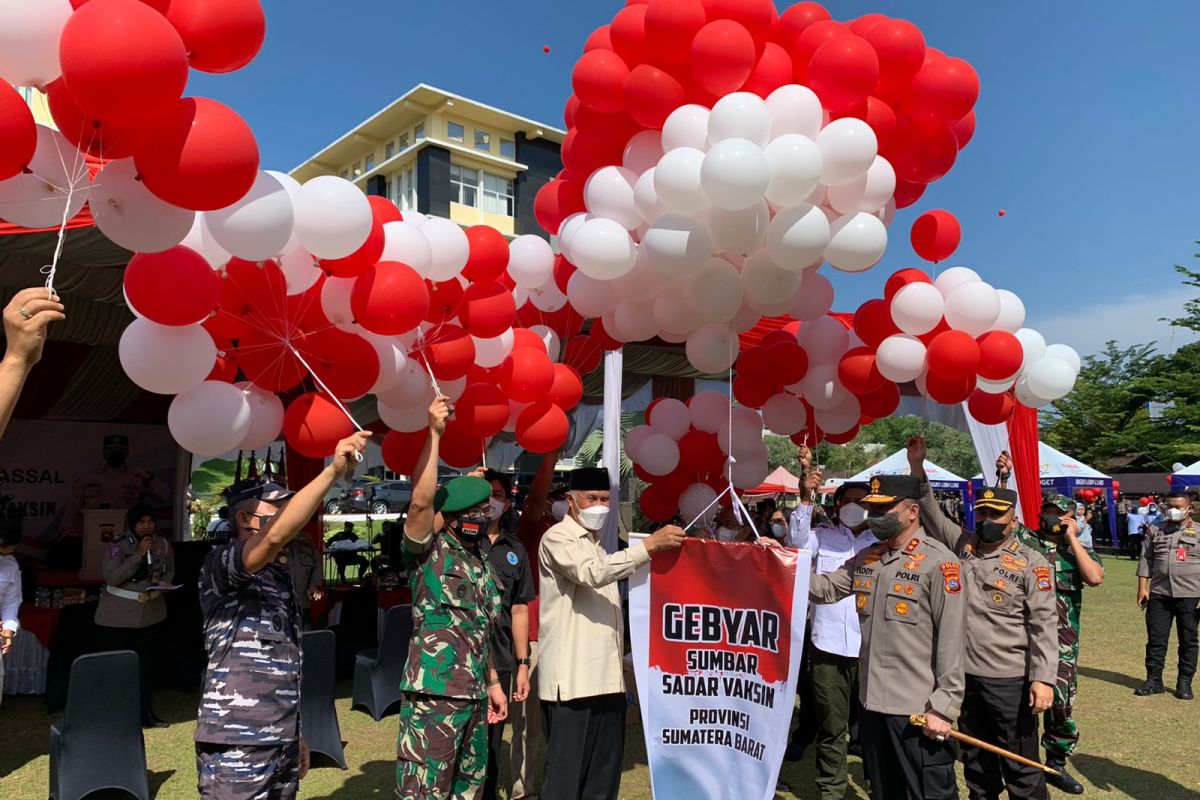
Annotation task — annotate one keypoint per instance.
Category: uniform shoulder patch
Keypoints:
(1014, 546)
(512, 558)
(1043, 578)
(114, 551)
(912, 545)
(951, 577)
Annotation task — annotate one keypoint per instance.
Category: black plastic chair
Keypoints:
(378, 671)
(318, 716)
(99, 744)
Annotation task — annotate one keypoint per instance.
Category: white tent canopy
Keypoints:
(897, 464)
(1055, 464)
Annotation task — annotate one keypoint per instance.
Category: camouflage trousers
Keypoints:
(1060, 734)
(244, 772)
(442, 749)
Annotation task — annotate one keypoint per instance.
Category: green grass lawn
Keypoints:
(1131, 747)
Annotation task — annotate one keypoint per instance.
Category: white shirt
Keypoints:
(835, 626)
(10, 593)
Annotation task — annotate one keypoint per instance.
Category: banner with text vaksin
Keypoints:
(718, 629)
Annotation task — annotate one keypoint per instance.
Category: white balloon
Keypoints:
(917, 308)
(634, 440)
(530, 261)
(166, 359)
(1027, 397)
(590, 297)
(698, 503)
(714, 292)
(609, 193)
(335, 302)
(54, 185)
(491, 353)
(643, 151)
(744, 437)
(952, 278)
(550, 340)
(1065, 353)
(200, 240)
(741, 115)
(404, 243)
(671, 418)
(771, 308)
(795, 163)
(711, 349)
(645, 198)
(677, 244)
(300, 271)
(994, 387)
(746, 318)
(566, 233)
(332, 217)
(449, 248)
(856, 242)
(687, 126)
(292, 187)
(900, 358)
(747, 473)
(393, 359)
(735, 174)
(972, 307)
(1012, 312)
(266, 417)
(405, 420)
(259, 225)
(1033, 344)
(633, 321)
(1051, 378)
(674, 316)
(848, 147)
(795, 110)
(785, 414)
(869, 192)
(416, 218)
(131, 216)
(887, 214)
(29, 34)
(798, 236)
(814, 299)
(211, 418)
(841, 418)
(738, 232)
(413, 388)
(603, 249)
(767, 282)
(709, 411)
(677, 181)
(825, 340)
(548, 297)
(821, 387)
(659, 455)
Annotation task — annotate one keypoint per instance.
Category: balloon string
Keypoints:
(357, 456)
(429, 370)
(73, 176)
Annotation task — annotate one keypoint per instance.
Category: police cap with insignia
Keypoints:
(257, 489)
(116, 441)
(589, 479)
(889, 489)
(996, 498)
(461, 494)
(1062, 503)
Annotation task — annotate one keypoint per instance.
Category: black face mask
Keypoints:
(989, 531)
(115, 459)
(885, 526)
(469, 529)
(1052, 526)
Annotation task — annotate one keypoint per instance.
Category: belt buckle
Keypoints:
(143, 597)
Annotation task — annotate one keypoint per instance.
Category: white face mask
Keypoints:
(1177, 514)
(852, 515)
(559, 509)
(726, 534)
(495, 508)
(778, 528)
(593, 518)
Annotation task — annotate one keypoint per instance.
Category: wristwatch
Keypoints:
(523, 661)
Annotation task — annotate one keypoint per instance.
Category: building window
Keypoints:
(483, 141)
(497, 195)
(508, 149)
(464, 185)
(455, 132)
(403, 189)
(389, 150)
(356, 169)
(403, 141)
(419, 132)
(370, 162)
(344, 174)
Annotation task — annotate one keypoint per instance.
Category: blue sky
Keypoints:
(1087, 133)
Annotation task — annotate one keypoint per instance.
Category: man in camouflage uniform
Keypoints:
(451, 687)
(248, 729)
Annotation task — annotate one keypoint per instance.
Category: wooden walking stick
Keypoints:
(919, 721)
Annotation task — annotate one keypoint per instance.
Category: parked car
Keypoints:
(352, 500)
(389, 497)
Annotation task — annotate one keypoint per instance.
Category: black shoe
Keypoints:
(1183, 689)
(1063, 781)
(795, 751)
(1153, 685)
(152, 721)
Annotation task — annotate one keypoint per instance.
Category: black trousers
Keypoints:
(585, 743)
(146, 642)
(495, 738)
(1160, 613)
(902, 763)
(997, 710)
(806, 718)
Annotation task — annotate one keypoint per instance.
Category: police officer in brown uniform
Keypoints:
(908, 591)
(1169, 591)
(1011, 659)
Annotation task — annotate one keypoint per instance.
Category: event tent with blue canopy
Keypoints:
(1188, 476)
(942, 480)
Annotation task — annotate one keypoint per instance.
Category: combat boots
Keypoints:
(1153, 685)
(1183, 689)
(1063, 781)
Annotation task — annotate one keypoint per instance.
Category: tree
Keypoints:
(949, 448)
(592, 449)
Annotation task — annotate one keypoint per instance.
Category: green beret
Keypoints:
(461, 494)
(1063, 504)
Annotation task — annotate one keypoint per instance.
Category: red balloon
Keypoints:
(1002, 212)
(943, 91)
(175, 287)
(922, 152)
(488, 309)
(790, 360)
(599, 39)
(808, 42)
(449, 352)
(445, 300)
(907, 193)
(756, 16)
(18, 132)
(723, 56)
(488, 253)
(658, 502)
(900, 46)
(1145, 501)
(881, 402)
(949, 389)
(878, 114)
(226, 367)
(843, 71)
(401, 450)
(570, 110)
(773, 70)
(563, 270)
(248, 290)
(927, 338)
(795, 20)
(389, 299)
(313, 425)
(873, 322)
(602, 338)
(865, 23)
(459, 448)
(220, 35)
(526, 375)
(158, 5)
(598, 79)
(384, 210)
(554, 202)
(347, 364)
(902, 278)
(567, 389)
(542, 428)
(964, 130)
(122, 61)
(651, 95)
(751, 393)
(936, 235)
(858, 372)
(584, 153)
(701, 453)
(361, 259)
(582, 353)
(482, 410)
(953, 354)
(842, 438)
(991, 409)
(524, 338)
(199, 154)
(754, 365)
(1000, 355)
(91, 135)
(671, 25)
(628, 34)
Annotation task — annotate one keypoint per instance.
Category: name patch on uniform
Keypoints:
(908, 576)
(952, 577)
(512, 558)
(1043, 578)
(912, 545)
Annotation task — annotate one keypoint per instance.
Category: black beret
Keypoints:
(590, 479)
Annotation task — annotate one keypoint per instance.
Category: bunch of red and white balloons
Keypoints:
(114, 72)
(689, 453)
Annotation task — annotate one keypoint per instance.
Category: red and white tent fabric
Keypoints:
(778, 482)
